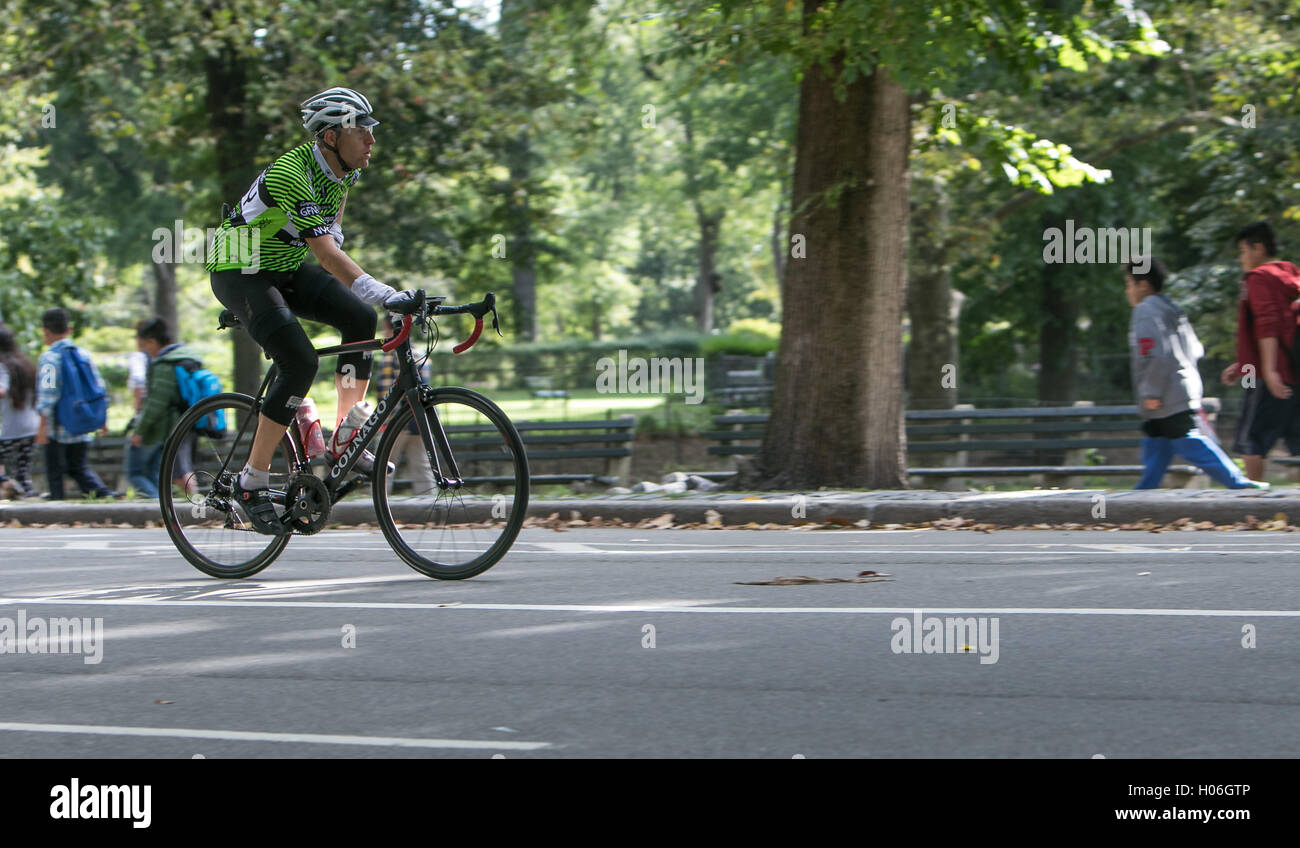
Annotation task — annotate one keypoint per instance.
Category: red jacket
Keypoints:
(1265, 311)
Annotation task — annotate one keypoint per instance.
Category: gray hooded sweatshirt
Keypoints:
(1164, 350)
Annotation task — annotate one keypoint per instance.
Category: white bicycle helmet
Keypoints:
(336, 107)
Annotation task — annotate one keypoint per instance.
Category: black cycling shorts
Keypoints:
(269, 304)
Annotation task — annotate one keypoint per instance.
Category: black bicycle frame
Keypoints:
(407, 387)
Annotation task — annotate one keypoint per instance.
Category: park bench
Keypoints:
(543, 388)
(1025, 432)
(548, 443)
(608, 440)
(734, 384)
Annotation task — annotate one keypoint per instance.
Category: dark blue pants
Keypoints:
(142, 467)
(70, 458)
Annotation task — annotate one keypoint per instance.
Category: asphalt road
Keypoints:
(640, 643)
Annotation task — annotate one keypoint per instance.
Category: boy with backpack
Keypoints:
(73, 404)
(176, 381)
(1164, 351)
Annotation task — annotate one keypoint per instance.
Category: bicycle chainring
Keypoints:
(306, 504)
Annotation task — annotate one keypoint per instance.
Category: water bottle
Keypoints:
(309, 428)
(356, 416)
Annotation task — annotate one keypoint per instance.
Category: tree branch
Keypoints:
(1026, 197)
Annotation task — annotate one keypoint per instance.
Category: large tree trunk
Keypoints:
(837, 412)
(236, 145)
(164, 296)
(932, 353)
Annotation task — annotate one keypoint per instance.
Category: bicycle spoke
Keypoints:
(208, 527)
(445, 528)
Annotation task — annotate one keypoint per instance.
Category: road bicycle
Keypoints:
(458, 526)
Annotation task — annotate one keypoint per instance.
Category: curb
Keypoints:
(893, 507)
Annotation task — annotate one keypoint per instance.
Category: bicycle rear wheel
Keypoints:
(195, 488)
(452, 532)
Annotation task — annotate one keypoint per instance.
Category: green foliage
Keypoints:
(47, 258)
(749, 336)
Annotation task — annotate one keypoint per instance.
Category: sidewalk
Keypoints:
(1006, 509)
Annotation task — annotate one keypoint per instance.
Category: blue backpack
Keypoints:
(196, 383)
(83, 402)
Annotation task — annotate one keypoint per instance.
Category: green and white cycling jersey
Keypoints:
(296, 198)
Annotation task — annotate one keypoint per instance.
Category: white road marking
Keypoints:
(568, 548)
(677, 607)
(541, 629)
(258, 736)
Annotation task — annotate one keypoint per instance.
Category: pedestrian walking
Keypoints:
(1266, 337)
(18, 418)
(140, 463)
(1164, 351)
(164, 401)
(73, 405)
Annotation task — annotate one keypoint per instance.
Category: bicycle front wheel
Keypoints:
(203, 455)
(443, 528)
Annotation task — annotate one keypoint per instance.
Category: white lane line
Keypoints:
(682, 607)
(567, 548)
(258, 736)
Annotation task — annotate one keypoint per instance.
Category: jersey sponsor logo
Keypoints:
(1145, 345)
(306, 209)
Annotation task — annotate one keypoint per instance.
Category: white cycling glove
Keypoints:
(371, 290)
(336, 230)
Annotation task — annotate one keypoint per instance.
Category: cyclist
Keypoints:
(296, 206)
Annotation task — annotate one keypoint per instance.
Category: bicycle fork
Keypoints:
(433, 434)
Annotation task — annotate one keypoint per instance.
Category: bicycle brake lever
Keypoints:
(495, 324)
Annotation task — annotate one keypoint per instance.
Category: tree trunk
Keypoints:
(236, 143)
(710, 223)
(837, 411)
(705, 283)
(932, 353)
(1056, 340)
(164, 296)
(779, 244)
(523, 255)
(518, 154)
